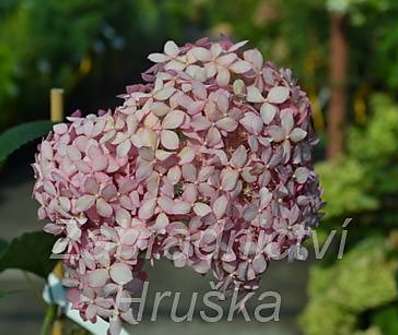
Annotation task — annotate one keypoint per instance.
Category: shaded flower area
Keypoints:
(208, 164)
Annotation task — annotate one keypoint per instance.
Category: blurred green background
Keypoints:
(345, 55)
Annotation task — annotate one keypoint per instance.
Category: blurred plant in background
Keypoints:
(90, 48)
(359, 292)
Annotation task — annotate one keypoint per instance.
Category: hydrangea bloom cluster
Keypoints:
(208, 164)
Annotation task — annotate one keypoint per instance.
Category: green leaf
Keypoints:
(29, 252)
(387, 320)
(3, 246)
(14, 138)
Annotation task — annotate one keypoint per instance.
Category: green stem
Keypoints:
(49, 318)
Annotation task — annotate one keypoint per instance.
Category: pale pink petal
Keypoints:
(227, 124)
(162, 221)
(205, 173)
(166, 204)
(265, 197)
(164, 93)
(91, 186)
(277, 133)
(301, 174)
(103, 208)
(190, 193)
(259, 264)
(223, 76)
(158, 58)
(147, 209)
(254, 95)
(201, 54)
(175, 65)
(213, 137)
(220, 206)
(146, 153)
(268, 112)
(97, 278)
(100, 163)
(239, 87)
(297, 134)
(160, 109)
(123, 148)
(109, 192)
(130, 237)
(278, 94)
(287, 120)
(252, 123)
(171, 49)
(84, 203)
(202, 266)
(200, 123)
(46, 150)
(115, 326)
(237, 46)
(211, 69)
(186, 155)
(122, 217)
(163, 155)
(239, 157)
(240, 66)
(250, 212)
(229, 179)
(73, 153)
(174, 174)
(173, 119)
(181, 207)
(189, 172)
(120, 273)
(60, 128)
(196, 72)
(255, 57)
(227, 60)
(169, 139)
(201, 209)
(60, 245)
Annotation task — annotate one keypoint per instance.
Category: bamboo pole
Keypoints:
(57, 115)
(57, 104)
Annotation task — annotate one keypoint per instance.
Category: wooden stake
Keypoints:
(57, 104)
(338, 82)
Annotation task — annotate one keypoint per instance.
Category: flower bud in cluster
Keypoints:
(207, 164)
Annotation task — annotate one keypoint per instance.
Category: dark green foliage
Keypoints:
(14, 138)
(29, 252)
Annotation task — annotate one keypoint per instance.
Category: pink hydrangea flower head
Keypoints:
(207, 164)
